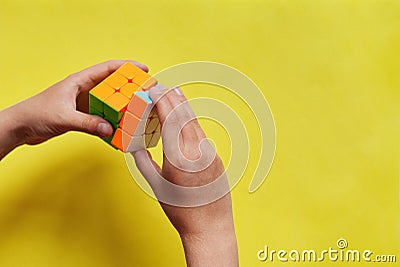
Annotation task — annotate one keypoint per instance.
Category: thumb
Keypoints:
(147, 167)
(90, 124)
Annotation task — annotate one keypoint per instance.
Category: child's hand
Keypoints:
(207, 231)
(62, 107)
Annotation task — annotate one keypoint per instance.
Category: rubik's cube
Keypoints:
(123, 100)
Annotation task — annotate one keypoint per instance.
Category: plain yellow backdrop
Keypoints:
(329, 70)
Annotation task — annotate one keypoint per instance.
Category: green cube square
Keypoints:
(94, 111)
(112, 114)
(96, 103)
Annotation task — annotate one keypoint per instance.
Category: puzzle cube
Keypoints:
(123, 100)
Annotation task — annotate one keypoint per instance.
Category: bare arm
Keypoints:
(10, 129)
(211, 249)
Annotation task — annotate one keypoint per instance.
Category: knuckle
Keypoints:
(88, 124)
(73, 79)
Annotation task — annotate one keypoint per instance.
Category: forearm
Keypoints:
(219, 249)
(10, 130)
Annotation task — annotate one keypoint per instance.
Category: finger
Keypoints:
(185, 116)
(88, 78)
(147, 167)
(90, 124)
(163, 106)
(170, 128)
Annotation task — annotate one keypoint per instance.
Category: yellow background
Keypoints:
(330, 72)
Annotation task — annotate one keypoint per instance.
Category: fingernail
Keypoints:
(103, 129)
(159, 89)
(156, 92)
(178, 91)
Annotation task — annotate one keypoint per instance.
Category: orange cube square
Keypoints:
(129, 70)
(121, 140)
(129, 123)
(117, 101)
(116, 80)
(138, 106)
(102, 91)
(128, 89)
(141, 78)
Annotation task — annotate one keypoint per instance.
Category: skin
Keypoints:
(207, 231)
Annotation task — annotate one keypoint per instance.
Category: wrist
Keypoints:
(210, 238)
(12, 130)
(211, 249)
